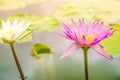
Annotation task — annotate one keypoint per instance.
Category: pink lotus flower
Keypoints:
(84, 37)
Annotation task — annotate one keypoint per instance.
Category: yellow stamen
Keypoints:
(9, 32)
(80, 37)
(88, 37)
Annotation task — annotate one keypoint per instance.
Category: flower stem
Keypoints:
(86, 63)
(17, 62)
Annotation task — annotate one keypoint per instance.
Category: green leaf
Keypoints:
(39, 49)
(89, 10)
(112, 44)
(6, 5)
(38, 23)
(27, 38)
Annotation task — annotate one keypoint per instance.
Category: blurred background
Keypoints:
(50, 67)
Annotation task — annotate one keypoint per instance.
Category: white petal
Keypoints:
(25, 27)
(8, 25)
(14, 25)
(20, 24)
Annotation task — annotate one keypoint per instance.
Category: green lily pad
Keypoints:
(39, 49)
(112, 44)
(38, 23)
(27, 38)
(6, 5)
(89, 10)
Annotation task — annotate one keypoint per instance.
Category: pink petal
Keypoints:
(98, 48)
(98, 28)
(95, 27)
(82, 26)
(76, 28)
(62, 35)
(70, 50)
(67, 27)
(92, 27)
(84, 40)
(105, 34)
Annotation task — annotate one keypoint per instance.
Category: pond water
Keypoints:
(52, 67)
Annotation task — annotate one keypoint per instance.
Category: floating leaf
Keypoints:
(38, 23)
(27, 38)
(112, 44)
(39, 49)
(6, 5)
(89, 10)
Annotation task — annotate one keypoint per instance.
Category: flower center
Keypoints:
(88, 38)
(10, 32)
